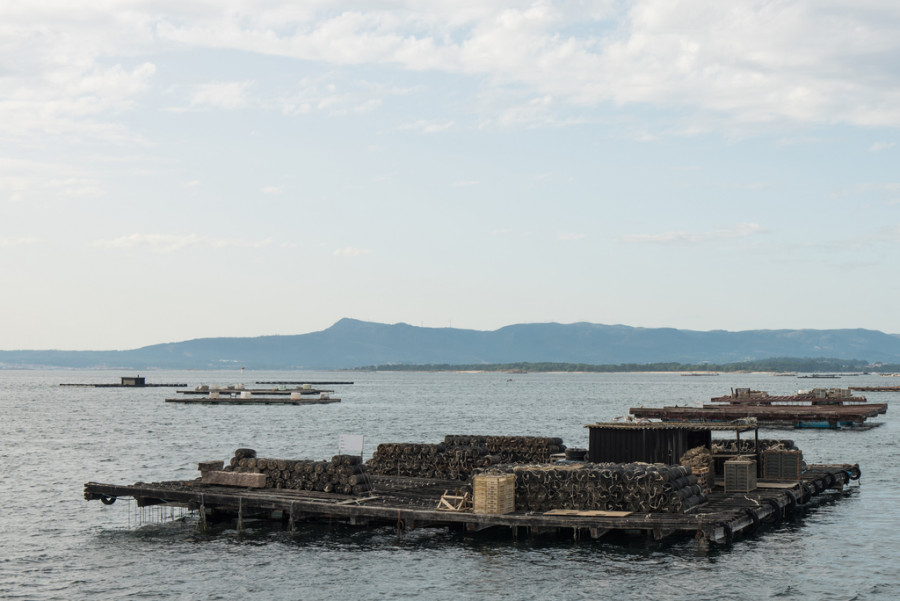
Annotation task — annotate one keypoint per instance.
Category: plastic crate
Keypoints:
(740, 475)
(494, 493)
(782, 465)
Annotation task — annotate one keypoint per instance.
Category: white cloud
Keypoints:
(741, 230)
(222, 95)
(568, 236)
(70, 67)
(22, 180)
(273, 190)
(465, 184)
(166, 243)
(351, 251)
(13, 242)
(753, 62)
(71, 99)
(329, 95)
(879, 146)
(427, 127)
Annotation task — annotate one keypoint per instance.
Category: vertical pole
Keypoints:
(240, 520)
(202, 523)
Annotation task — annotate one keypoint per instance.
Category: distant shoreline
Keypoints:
(777, 366)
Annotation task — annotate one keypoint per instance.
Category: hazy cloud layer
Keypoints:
(166, 243)
(747, 62)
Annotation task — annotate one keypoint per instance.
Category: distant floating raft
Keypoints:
(797, 416)
(256, 400)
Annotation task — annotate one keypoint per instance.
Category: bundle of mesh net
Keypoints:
(343, 474)
(512, 449)
(440, 461)
(637, 487)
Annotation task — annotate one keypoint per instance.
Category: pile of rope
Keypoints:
(638, 487)
(439, 461)
(511, 449)
(344, 474)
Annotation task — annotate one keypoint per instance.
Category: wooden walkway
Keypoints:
(408, 503)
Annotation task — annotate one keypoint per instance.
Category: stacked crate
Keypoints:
(740, 475)
(494, 493)
(782, 465)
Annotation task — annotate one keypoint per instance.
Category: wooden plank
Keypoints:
(243, 479)
(589, 513)
(785, 485)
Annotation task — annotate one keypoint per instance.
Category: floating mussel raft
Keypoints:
(518, 483)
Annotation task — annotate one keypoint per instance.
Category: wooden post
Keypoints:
(201, 525)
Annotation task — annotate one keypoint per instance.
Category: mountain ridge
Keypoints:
(350, 343)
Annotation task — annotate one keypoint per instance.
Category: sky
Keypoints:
(178, 170)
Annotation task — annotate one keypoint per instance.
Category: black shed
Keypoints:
(651, 442)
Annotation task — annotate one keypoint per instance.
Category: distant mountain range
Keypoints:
(352, 343)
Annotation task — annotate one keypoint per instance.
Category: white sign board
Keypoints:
(350, 444)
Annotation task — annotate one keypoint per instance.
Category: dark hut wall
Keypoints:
(657, 445)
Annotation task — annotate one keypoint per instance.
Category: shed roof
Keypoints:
(673, 426)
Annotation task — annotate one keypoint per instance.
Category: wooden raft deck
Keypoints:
(794, 399)
(876, 388)
(260, 391)
(408, 503)
(126, 385)
(254, 400)
(783, 415)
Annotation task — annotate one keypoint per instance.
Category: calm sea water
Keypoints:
(55, 545)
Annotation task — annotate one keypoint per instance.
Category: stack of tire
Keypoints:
(512, 449)
(344, 474)
(635, 487)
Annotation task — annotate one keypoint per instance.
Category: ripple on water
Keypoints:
(55, 545)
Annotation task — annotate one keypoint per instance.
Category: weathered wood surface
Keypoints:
(127, 385)
(790, 399)
(805, 411)
(876, 388)
(301, 382)
(768, 413)
(411, 502)
(262, 391)
(240, 479)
